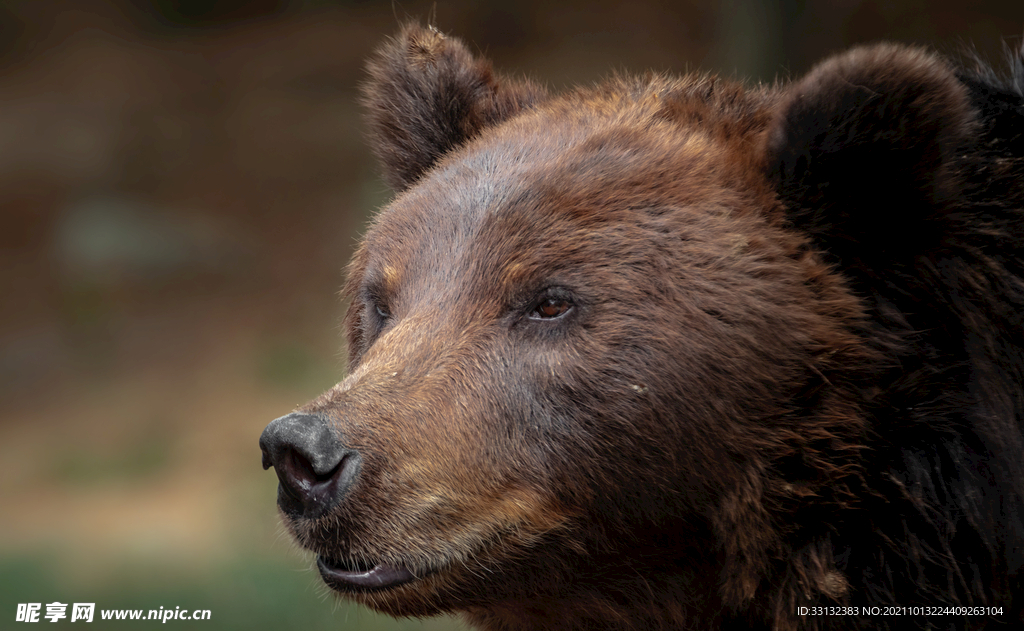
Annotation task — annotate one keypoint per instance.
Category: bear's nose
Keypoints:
(314, 467)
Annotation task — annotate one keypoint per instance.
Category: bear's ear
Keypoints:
(862, 150)
(426, 95)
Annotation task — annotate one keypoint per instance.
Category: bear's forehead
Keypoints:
(596, 148)
(570, 171)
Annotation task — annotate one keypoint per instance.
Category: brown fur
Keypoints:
(696, 443)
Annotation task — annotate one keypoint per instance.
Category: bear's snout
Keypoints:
(313, 465)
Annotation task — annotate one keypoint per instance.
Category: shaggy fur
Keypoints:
(784, 368)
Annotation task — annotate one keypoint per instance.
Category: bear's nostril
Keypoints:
(296, 474)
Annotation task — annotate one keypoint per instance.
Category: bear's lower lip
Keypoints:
(380, 576)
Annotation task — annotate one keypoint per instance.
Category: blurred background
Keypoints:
(181, 184)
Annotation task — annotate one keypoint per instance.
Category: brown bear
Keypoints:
(679, 353)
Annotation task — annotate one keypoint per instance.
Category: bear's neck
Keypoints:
(635, 602)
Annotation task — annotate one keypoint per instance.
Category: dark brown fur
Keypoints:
(791, 373)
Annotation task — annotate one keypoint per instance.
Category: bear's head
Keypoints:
(608, 350)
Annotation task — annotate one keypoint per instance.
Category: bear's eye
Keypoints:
(382, 311)
(551, 308)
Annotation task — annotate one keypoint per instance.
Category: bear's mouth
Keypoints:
(360, 576)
